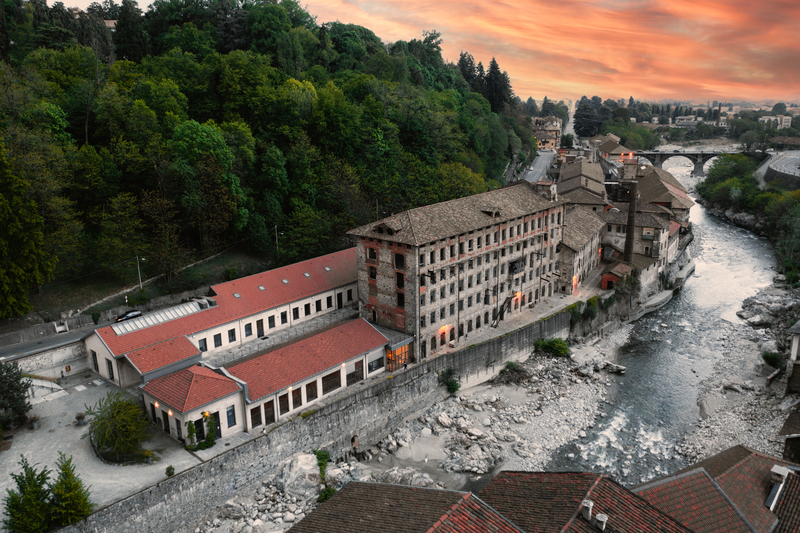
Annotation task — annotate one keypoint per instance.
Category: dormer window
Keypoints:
(490, 211)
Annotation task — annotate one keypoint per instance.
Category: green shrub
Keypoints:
(326, 493)
(230, 273)
(96, 317)
(575, 313)
(512, 367)
(450, 379)
(70, 500)
(27, 507)
(556, 347)
(170, 471)
(117, 424)
(137, 298)
(773, 359)
(591, 308)
(323, 458)
(608, 302)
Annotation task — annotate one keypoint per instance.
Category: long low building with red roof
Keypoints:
(268, 387)
(236, 312)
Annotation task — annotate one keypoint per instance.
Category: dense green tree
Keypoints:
(117, 424)
(69, 501)
(567, 140)
(130, 38)
(27, 508)
(585, 120)
(23, 260)
(779, 109)
(14, 389)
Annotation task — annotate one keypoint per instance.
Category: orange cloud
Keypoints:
(652, 49)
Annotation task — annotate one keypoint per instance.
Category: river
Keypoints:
(655, 403)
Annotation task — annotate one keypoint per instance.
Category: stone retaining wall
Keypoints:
(51, 363)
(180, 503)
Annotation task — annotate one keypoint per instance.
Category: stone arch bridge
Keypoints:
(699, 158)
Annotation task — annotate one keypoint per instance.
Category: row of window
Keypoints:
(479, 260)
(271, 322)
(399, 260)
(499, 236)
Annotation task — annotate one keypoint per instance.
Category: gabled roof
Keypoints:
(545, 502)
(612, 148)
(583, 197)
(439, 221)
(380, 508)
(581, 182)
(744, 475)
(696, 501)
(582, 167)
(642, 220)
(276, 370)
(655, 190)
(325, 273)
(190, 388)
(580, 226)
(162, 354)
(788, 507)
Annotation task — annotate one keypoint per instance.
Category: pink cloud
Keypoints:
(649, 49)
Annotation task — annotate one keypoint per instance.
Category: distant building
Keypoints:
(547, 131)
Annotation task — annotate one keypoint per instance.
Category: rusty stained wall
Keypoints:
(378, 298)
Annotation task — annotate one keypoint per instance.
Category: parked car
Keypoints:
(128, 315)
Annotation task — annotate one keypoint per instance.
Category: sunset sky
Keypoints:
(675, 49)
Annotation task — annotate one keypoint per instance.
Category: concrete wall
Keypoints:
(180, 503)
(52, 362)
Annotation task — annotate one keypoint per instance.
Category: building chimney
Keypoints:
(779, 473)
(601, 521)
(587, 509)
(628, 254)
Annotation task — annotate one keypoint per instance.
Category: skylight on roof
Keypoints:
(237, 295)
(261, 288)
(306, 274)
(328, 269)
(285, 281)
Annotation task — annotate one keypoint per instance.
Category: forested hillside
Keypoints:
(197, 125)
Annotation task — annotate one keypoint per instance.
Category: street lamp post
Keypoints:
(139, 270)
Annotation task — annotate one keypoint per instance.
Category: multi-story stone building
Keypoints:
(442, 271)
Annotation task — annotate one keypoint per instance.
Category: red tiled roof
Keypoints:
(696, 502)
(538, 502)
(744, 475)
(673, 227)
(343, 271)
(190, 388)
(788, 508)
(380, 508)
(162, 354)
(545, 502)
(285, 366)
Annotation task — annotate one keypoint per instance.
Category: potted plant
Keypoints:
(80, 417)
(148, 456)
(34, 421)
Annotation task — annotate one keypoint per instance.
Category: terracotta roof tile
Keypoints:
(696, 501)
(162, 354)
(745, 477)
(380, 508)
(190, 388)
(788, 507)
(545, 502)
(278, 369)
(538, 502)
(343, 271)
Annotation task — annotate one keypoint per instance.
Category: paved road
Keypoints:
(787, 162)
(16, 351)
(538, 168)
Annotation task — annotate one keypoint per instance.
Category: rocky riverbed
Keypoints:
(738, 405)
